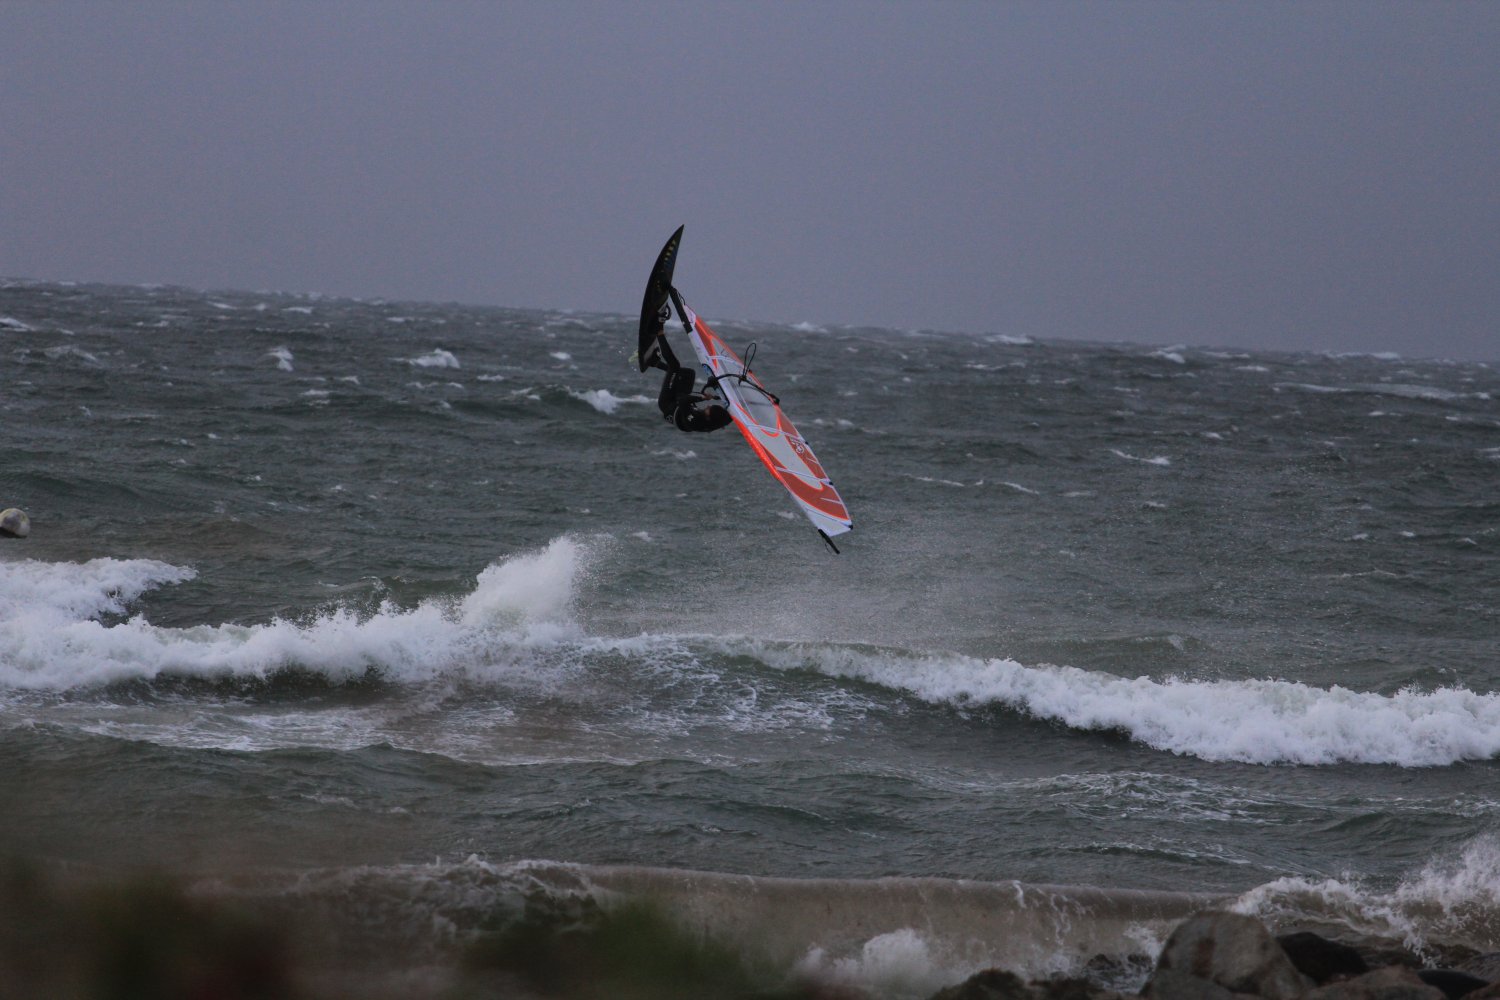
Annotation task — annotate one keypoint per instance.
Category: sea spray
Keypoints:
(1453, 901)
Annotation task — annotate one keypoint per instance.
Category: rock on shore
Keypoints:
(1229, 956)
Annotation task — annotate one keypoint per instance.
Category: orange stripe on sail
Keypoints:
(822, 498)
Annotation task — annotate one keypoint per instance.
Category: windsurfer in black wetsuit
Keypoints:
(677, 401)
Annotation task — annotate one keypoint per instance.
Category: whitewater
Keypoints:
(516, 619)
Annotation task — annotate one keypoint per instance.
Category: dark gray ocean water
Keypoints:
(402, 614)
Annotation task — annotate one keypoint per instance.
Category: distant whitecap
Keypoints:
(1161, 460)
(436, 358)
(605, 401)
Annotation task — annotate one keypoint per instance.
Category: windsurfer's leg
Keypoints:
(676, 385)
(666, 352)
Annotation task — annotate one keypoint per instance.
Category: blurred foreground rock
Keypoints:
(140, 937)
(1229, 956)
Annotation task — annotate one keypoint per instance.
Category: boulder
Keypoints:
(1453, 983)
(1486, 967)
(990, 984)
(1073, 989)
(1231, 950)
(1169, 984)
(1394, 982)
(1320, 959)
(998, 984)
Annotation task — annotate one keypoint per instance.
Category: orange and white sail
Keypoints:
(770, 432)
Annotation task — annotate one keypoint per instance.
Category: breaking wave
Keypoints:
(1453, 900)
(51, 638)
(1248, 721)
(896, 937)
(56, 634)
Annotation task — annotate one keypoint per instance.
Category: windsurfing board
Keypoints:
(657, 288)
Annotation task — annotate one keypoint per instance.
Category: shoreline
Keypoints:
(476, 930)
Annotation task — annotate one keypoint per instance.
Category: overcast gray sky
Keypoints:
(1319, 176)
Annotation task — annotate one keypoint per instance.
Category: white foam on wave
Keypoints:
(72, 591)
(897, 964)
(518, 623)
(934, 481)
(1249, 721)
(1425, 392)
(68, 351)
(1161, 460)
(1372, 355)
(283, 358)
(14, 325)
(1398, 390)
(51, 638)
(436, 358)
(535, 588)
(605, 401)
(1451, 899)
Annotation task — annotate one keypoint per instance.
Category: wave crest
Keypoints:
(50, 638)
(1247, 721)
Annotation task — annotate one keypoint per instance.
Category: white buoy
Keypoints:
(14, 523)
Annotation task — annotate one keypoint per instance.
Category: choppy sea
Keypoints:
(405, 616)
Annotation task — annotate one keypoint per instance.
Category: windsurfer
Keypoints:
(677, 401)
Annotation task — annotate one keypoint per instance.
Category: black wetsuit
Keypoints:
(679, 403)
